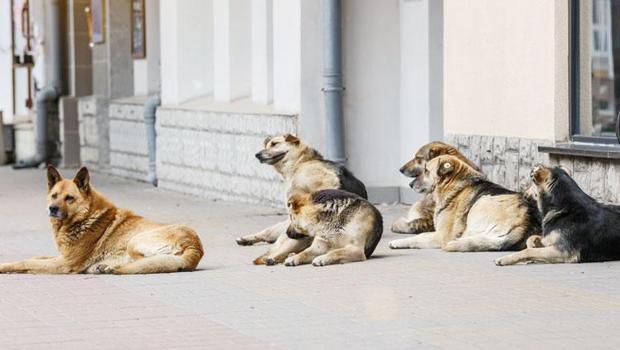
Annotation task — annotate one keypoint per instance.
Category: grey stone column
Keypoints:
(112, 71)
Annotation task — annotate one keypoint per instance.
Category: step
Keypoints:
(25, 144)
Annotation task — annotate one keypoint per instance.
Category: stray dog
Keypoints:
(471, 213)
(576, 228)
(346, 228)
(94, 236)
(304, 170)
(420, 217)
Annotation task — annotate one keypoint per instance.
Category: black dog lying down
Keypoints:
(576, 228)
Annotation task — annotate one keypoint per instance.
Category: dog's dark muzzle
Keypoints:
(269, 159)
(292, 234)
(405, 170)
(54, 212)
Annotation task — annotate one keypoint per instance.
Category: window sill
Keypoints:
(582, 149)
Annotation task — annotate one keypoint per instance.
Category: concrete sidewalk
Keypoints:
(399, 299)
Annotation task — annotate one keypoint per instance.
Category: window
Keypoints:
(595, 70)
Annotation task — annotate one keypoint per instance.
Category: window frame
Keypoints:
(575, 80)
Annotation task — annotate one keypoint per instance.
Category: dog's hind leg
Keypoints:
(347, 254)
(477, 243)
(169, 249)
(318, 247)
(426, 240)
(154, 264)
(268, 235)
(281, 249)
(534, 241)
(549, 255)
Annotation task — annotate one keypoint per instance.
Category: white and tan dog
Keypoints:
(471, 213)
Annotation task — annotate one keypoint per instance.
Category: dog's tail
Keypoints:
(186, 261)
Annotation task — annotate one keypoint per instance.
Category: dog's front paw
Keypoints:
(292, 260)
(320, 261)
(244, 241)
(104, 269)
(4, 268)
(452, 246)
(398, 244)
(501, 261)
(401, 225)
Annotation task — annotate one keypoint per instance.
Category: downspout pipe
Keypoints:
(332, 79)
(150, 108)
(48, 94)
(618, 127)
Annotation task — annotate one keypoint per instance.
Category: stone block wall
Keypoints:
(94, 133)
(128, 144)
(211, 154)
(508, 162)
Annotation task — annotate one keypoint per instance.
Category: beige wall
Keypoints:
(506, 68)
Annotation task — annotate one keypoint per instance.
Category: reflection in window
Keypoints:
(604, 56)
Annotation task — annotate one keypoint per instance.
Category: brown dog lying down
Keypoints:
(471, 213)
(346, 227)
(575, 227)
(94, 236)
(420, 217)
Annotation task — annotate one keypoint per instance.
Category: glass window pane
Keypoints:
(605, 66)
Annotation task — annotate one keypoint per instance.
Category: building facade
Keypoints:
(510, 83)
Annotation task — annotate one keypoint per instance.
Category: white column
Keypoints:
(421, 79)
(146, 72)
(287, 54)
(186, 29)
(6, 62)
(231, 51)
(262, 51)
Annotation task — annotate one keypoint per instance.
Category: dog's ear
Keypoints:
(290, 138)
(436, 151)
(266, 141)
(446, 167)
(53, 177)
(540, 174)
(82, 179)
(566, 170)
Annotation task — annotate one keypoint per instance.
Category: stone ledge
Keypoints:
(581, 149)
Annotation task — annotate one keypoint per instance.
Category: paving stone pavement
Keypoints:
(398, 299)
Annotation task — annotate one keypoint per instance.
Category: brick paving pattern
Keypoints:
(399, 299)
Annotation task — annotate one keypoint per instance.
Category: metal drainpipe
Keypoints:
(618, 128)
(332, 79)
(47, 94)
(150, 107)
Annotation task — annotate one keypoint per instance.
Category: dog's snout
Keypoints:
(292, 234)
(258, 156)
(403, 170)
(53, 209)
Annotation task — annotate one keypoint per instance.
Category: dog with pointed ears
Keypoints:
(575, 227)
(94, 236)
(420, 216)
(471, 213)
(345, 227)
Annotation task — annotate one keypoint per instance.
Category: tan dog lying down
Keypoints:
(472, 213)
(94, 236)
(345, 227)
